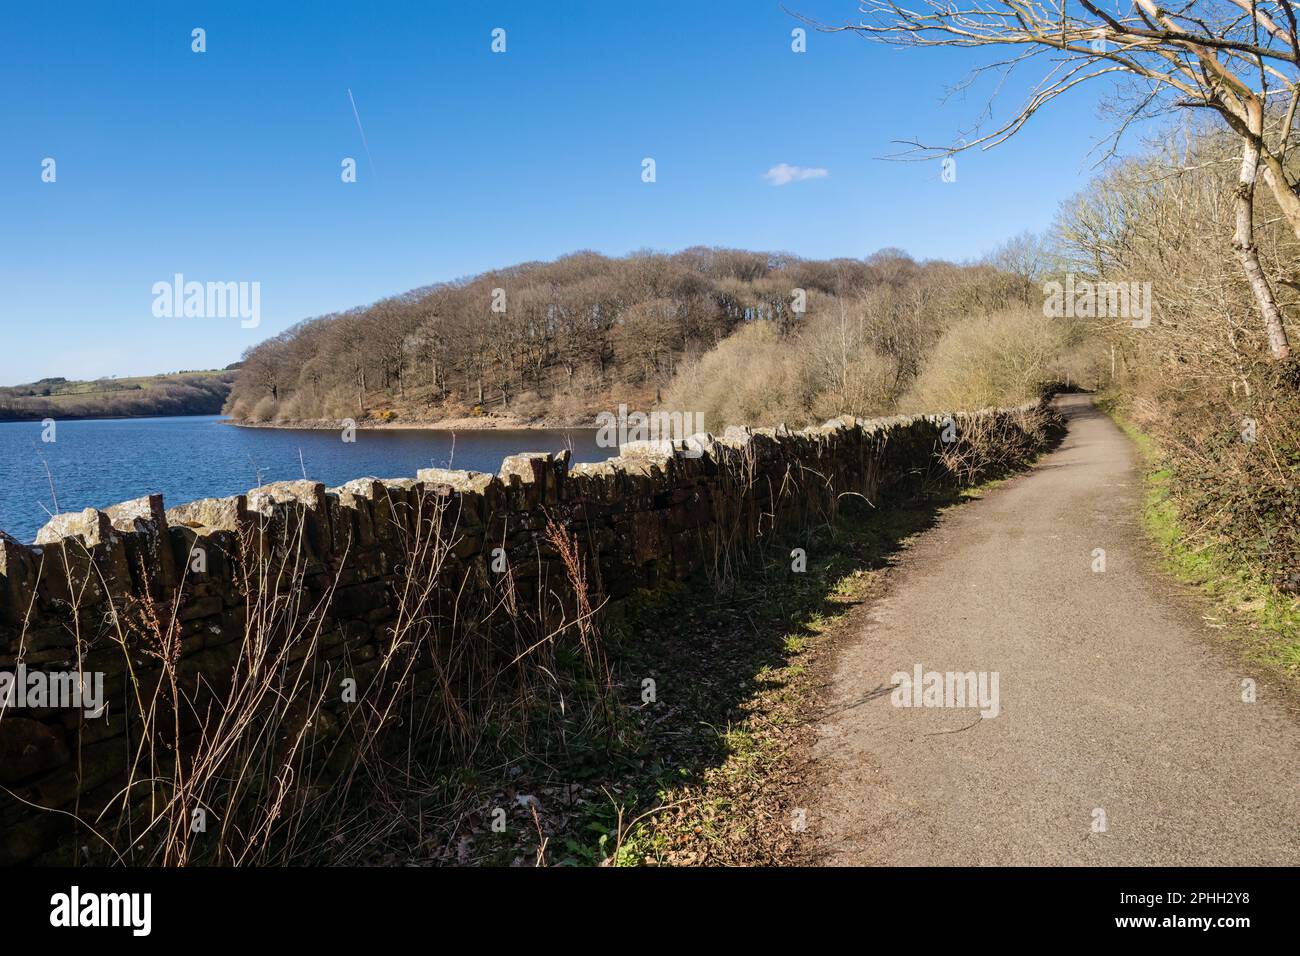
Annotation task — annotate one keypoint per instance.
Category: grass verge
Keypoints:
(1261, 622)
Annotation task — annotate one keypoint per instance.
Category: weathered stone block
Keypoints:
(214, 514)
(17, 578)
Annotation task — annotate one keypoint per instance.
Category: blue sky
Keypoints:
(225, 165)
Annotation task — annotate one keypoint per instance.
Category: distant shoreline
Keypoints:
(37, 419)
(484, 423)
(171, 395)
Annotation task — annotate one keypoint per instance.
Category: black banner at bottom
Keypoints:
(333, 906)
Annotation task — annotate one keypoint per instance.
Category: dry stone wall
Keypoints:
(183, 603)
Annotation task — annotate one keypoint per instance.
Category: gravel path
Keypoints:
(1113, 697)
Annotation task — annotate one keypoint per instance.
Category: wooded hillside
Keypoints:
(559, 341)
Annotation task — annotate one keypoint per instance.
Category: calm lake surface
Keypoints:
(95, 464)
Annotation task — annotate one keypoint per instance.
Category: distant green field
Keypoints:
(200, 392)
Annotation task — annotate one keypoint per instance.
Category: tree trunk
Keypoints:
(1243, 241)
(1286, 198)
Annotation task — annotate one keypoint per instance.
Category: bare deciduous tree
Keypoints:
(1237, 58)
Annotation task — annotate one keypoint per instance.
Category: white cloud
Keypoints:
(783, 173)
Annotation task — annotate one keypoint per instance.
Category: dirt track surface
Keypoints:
(1114, 695)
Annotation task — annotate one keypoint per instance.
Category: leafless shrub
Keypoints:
(988, 446)
(998, 361)
(256, 741)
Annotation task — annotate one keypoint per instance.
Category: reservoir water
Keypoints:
(94, 464)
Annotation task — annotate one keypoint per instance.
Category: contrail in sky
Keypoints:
(362, 131)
